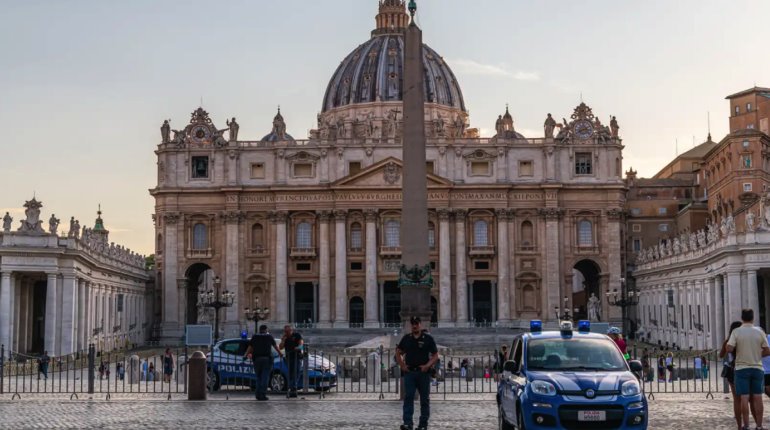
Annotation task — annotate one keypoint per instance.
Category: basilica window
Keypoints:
(480, 168)
(304, 235)
(585, 233)
(356, 236)
(354, 167)
(583, 164)
(480, 233)
(525, 168)
(200, 167)
(748, 107)
(430, 167)
(431, 235)
(258, 171)
(527, 234)
(637, 245)
(392, 233)
(257, 237)
(747, 187)
(303, 170)
(200, 237)
(746, 161)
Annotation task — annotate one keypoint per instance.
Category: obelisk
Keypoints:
(414, 279)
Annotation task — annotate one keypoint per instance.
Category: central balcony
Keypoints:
(482, 251)
(301, 253)
(390, 251)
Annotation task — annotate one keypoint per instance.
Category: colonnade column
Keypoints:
(171, 323)
(5, 310)
(80, 343)
(503, 255)
(753, 298)
(68, 302)
(461, 281)
(50, 314)
(340, 270)
(324, 282)
(232, 270)
(372, 319)
(512, 263)
(733, 288)
(718, 310)
(445, 270)
(281, 269)
(552, 259)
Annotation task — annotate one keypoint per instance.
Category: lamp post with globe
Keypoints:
(623, 299)
(216, 300)
(257, 314)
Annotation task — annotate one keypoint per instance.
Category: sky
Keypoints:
(85, 85)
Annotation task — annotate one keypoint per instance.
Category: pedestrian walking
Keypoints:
(728, 372)
(168, 365)
(416, 354)
(698, 365)
(260, 352)
(661, 368)
(464, 368)
(120, 372)
(617, 336)
(705, 363)
(151, 373)
(670, 366)
(102, 369)
(42, 365)
(749, 344)
(766, 368)
(292, 344)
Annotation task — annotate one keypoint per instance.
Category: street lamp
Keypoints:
(216, 300)
(257, 314)
(624, 299)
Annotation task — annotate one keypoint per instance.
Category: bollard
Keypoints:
(196, 387)
(134, 373)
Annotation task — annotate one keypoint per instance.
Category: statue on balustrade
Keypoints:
(53, 224)
(750, 218)
(677, 247)
(7, 220)
(549, 126)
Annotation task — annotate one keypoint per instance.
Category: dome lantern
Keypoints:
(392, 17)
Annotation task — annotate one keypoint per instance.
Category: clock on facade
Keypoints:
(584, 129)
(200, 133)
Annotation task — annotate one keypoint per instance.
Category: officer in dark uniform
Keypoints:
(292, 343)
(259, 348)
(416, 355)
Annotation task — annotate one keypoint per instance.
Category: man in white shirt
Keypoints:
(749, 344)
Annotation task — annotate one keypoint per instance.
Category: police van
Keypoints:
(226, 366)
(569, 379)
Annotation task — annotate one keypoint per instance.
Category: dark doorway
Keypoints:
(39, 292)
(197, 281)
(356, 310)
(481, 307)
(761, 294)
(433, 310)
(304, 302)
(392, 298)
(585, 275)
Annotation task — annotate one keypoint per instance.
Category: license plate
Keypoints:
(592, 416)
(324, 384)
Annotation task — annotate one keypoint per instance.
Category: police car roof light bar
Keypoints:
(584, 326)
(535, 326)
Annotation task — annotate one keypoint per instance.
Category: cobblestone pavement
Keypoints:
(670, 413)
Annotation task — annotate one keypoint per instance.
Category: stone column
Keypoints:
(445, 270)
(340, 271)
(81, 315)
(552, 260)
(324, 282)
(15, 320)
(753, 298)
(172, 328)
(281, 269)
(719, 310)
(69, 297)
(613, 252)
(5, 310)
(372, 319)
(232, 281)
(512, 263)
(51, 320)
(503, 258)
(733, 288)
(461, 281)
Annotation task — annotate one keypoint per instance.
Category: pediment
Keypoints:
(386, 173)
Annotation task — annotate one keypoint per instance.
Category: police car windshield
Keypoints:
(574, 355)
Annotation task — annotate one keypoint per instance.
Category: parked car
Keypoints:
(226, 366)
(567, 379)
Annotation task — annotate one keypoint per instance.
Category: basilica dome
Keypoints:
(373, 72)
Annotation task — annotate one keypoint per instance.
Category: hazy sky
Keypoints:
(85, 85)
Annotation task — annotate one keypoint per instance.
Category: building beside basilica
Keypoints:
(61, 290)
(520, 227)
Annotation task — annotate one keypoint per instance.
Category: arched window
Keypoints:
(257, 236)
(200, 237)
(585, 233)
(480, 233)
(304, 235)
(392, 232)
(356, 236)
(431, 235)
(527, 234)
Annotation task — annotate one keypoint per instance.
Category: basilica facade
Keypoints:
(519, 227)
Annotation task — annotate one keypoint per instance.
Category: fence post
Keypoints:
(2, 368)
(91, 364)
(305, 370)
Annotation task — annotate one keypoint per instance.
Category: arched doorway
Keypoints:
(199, 278)
(585, 282)
(356, 311)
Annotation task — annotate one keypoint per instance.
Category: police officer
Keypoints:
(416, 354)
(259, 348)
(292, 343)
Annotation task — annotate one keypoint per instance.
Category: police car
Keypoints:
(569, 380)
(226, 366)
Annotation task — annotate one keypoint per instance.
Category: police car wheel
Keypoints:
(212, 380)
(277, 382)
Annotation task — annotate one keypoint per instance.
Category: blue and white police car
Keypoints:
(226, 366)
(569, 379)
